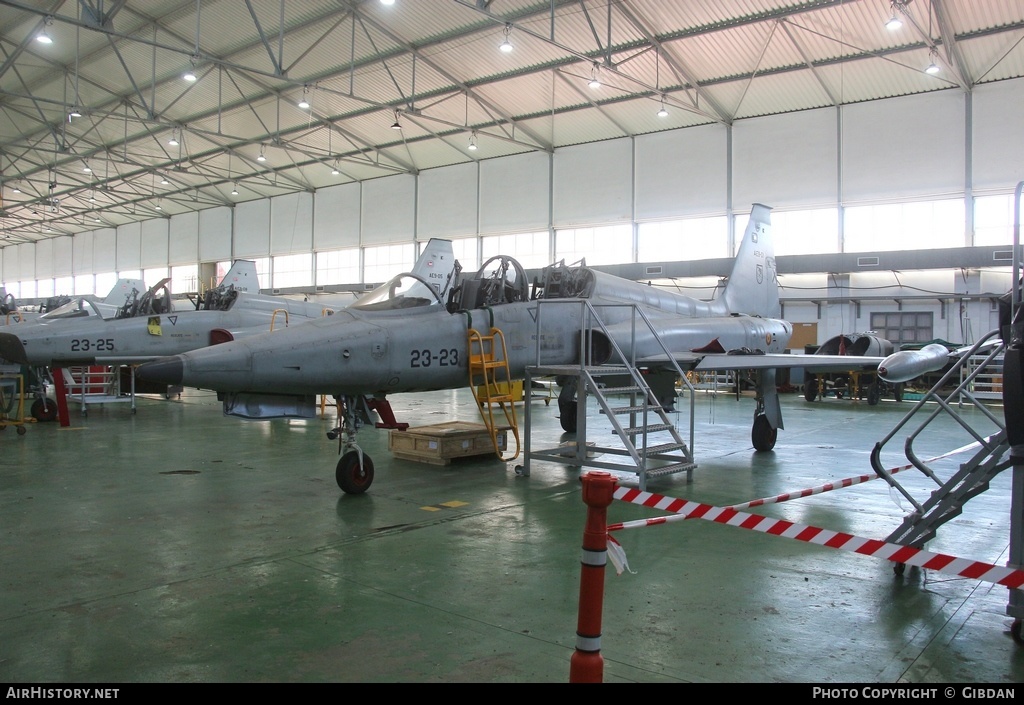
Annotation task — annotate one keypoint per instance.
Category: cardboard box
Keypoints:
(440, 443)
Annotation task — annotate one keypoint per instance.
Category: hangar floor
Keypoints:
(178, 545)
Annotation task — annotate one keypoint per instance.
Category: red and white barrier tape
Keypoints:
(684, 509)
(846, 482)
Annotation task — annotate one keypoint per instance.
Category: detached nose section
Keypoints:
(12, 350)
(167, 370)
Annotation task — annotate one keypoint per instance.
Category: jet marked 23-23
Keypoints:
(426, 358)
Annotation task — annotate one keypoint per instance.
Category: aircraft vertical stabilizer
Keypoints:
(242, 276)
(753, 288)
(123, 289)
(436, 266)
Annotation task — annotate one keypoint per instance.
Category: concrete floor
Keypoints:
(179, 545)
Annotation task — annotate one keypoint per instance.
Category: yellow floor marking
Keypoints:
(448, 505)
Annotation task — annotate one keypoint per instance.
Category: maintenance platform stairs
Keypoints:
(947, 501)
(651, 444)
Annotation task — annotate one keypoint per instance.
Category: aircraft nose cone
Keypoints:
(12, 350)
(168, 370)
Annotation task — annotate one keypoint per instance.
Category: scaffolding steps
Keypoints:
(670, 469)
(649, 428)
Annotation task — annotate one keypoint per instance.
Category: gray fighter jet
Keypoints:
(405, 337)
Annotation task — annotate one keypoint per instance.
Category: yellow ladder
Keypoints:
(491, 382)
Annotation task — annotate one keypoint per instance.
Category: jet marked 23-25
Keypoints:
(87, 345)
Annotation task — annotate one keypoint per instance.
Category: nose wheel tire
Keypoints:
(762, 435)
(44, 409)
(354, 477)
(567, 415)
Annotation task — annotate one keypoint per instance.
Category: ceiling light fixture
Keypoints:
(663, 112)
(472, 141)
(15, 188)
(387, 2)
(506, 46)
(163, 180)
(190, 72)
(304, 103)
(73, 113)
(86, 168)
(594, 83)
(932, 68)
(44, 37)
(174, 138)
(234, 189)
(396, 125)
(262, 157)
(894, 22)
(334, 169)
(158, 206)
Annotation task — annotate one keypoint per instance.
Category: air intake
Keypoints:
(867, 261)
(653, 270)
(1002, 256)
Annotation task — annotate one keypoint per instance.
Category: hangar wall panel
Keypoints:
(389, 210)
(63, 257)
(447, 201)
(336, 217)
(129, 244)
(291, 223)
(82, 253)
(904, 147)
(681, 173)
(593, 183)
(786, 160)
(104, 250)
(252, 229)
(155, 248)
(44, 258)
(515, 193)
(215, 234)
(27, 261)
(997, 135)
(10, 263)
(181, 233)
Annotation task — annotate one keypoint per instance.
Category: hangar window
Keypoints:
(682, 240)
(64, 286)
(902, 327)
(337, 267)
(809, 232)
(44, 288)
(385, 261)
(85, 284)
(531, 249)
(464, 249)
(993, 220)
(105, 282)
(183, 279)
(923, 225)
(612, 244)
(292, 270)
(27, 290)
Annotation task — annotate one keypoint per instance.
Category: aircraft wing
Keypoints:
(754, 361)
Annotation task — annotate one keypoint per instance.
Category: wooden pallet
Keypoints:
(440, 443)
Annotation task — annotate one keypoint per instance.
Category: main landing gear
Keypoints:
(354, 472)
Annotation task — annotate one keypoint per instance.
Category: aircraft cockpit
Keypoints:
(221, 298)
(403, 291)
(501, 280)
(562, 281)
(76, 308)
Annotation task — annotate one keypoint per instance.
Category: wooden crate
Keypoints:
(440, 443)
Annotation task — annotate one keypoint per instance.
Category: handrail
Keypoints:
(273, 317)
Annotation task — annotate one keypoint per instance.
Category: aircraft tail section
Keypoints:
(242, 276)
(753, 288)
(123, 289)
(437, 266)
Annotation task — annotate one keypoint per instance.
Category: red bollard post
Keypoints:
(61, 392)
(587, 664)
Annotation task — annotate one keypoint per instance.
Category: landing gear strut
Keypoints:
(354, 473)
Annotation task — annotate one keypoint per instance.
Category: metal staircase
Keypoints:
(973, 477)
(492, 386)
(650, 442)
